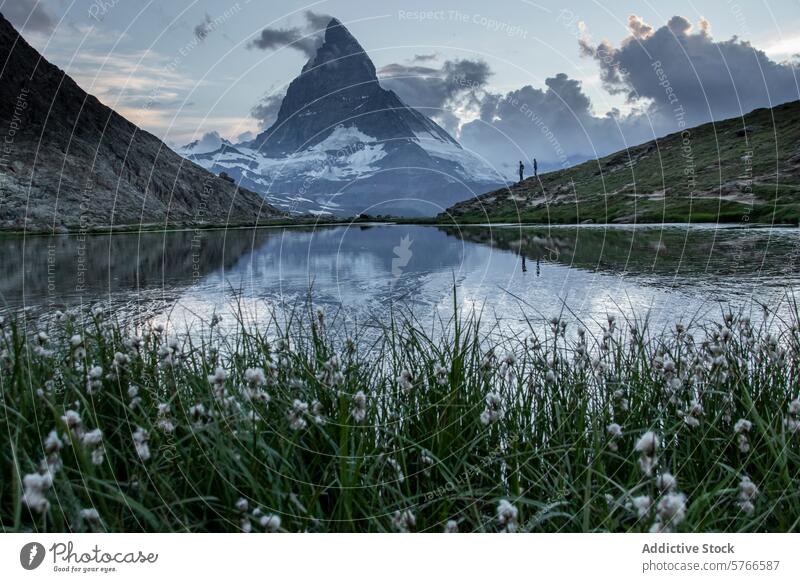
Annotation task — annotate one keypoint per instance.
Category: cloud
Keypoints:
(188, 127)
(143, 86)
(131, 77)
(555, 125)
(638, 27)
(316, 21)
(419, 86)
(673, 77)
(305, 39)
(28, 14)
(425, 86)
(674, 66)
(209, 142)
(783, 47)
(425, 58)
(274, 38)
(446, 94)
(266, 111)
(202, 30)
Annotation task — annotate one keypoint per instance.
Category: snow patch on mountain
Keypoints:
(346, 154)
(473, 168)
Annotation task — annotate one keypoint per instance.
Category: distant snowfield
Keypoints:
(345, 156)
(347, 153)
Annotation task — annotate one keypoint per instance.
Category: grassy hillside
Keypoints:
(738, 170)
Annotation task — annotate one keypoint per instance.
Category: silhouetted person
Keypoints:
(524, 266)
(535, 169)
(521, 170)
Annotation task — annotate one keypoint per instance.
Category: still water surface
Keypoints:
(511, 272)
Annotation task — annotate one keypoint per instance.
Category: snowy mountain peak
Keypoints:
(343, 144)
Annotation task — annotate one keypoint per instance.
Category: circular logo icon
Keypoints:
(31, 555)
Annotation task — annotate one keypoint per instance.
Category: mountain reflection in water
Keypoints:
(511, 272)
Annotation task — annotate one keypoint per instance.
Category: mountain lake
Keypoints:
(517, 275)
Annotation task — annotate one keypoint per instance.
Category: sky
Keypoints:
(558, 80)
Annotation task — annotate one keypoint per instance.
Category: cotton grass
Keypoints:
(303, 425)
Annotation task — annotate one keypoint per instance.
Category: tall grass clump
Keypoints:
(306, 425)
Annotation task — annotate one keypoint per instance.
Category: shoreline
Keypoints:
(374, 221)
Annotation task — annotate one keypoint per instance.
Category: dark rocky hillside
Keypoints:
(67, 161)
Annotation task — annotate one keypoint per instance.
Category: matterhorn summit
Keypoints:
(344, 145)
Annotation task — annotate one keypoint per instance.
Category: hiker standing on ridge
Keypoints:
(521, 170)
(535, 169)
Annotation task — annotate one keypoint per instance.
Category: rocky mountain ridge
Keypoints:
(69, 162)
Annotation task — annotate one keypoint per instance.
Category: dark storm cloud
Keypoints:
(674, 66)
(275, 38)
(305, 39)
(28, 14)
(466, 73)
(674, 76)
(556, 125)
(429, 87)
(202, 30)
(438, 91)
(266, 111)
